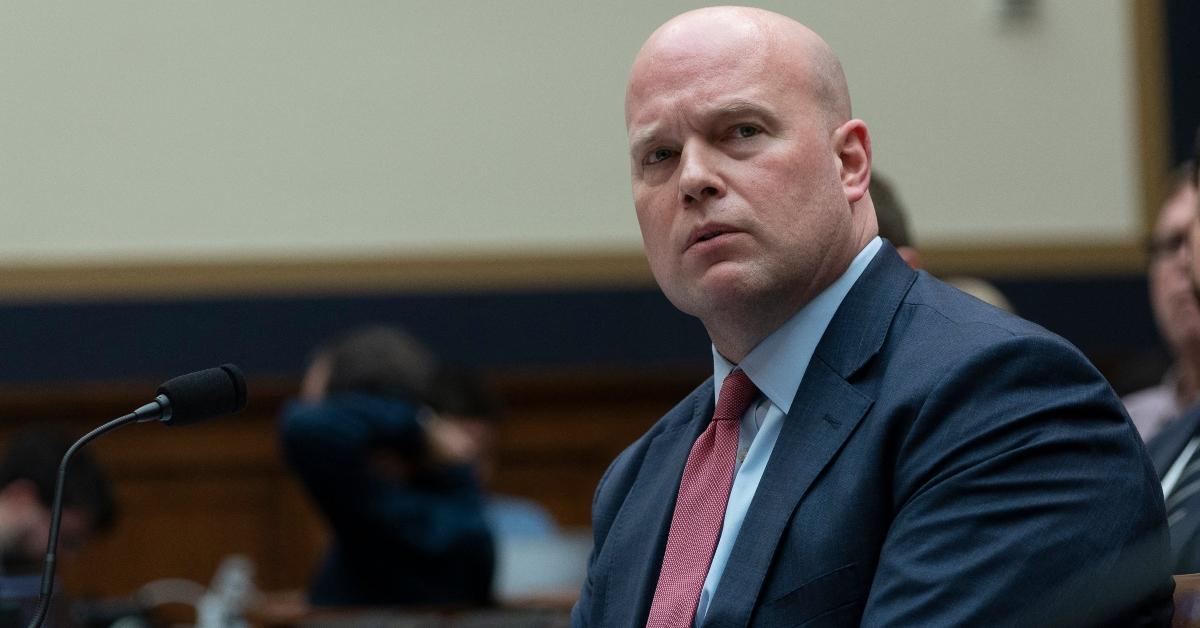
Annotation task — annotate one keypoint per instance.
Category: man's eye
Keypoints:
(746, 130)
(658, 155)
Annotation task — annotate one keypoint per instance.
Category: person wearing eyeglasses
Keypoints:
(1175, 310)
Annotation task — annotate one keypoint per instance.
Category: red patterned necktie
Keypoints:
(700, 509)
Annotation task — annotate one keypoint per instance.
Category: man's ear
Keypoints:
(853, 145)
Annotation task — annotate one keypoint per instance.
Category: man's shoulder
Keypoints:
(940, 335)
(678, 420)
(894, 314)
(938, 314)
(940, 304)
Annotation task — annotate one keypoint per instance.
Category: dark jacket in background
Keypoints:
(405, 532)
(1165, 447)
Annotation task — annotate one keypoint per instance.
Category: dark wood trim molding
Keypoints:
(463, 273)
(482, 273)
(1037, 261)
(1150, 84)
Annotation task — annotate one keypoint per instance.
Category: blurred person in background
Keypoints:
(1175, 310)
(28, 474)
(893, 219)
(395, 480)
(1174, 449)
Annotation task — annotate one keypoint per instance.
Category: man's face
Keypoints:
(735, 175)
(1171, 296)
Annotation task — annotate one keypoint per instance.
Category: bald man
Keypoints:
(875, 448)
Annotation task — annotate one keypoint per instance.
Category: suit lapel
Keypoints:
(1164, 450)
(1167, 446)
(811, 435)
(1182, 535)
(826, 410)
(641, 526)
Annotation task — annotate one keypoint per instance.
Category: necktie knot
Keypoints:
(737, 391)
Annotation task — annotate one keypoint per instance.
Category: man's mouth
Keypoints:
(709, 232)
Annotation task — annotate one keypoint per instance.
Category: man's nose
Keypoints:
(699, 177)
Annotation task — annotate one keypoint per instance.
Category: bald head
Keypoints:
(781, 48)
(749, 176)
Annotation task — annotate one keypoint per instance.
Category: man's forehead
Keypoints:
(688, 49)
(713, 45)
(707, 83)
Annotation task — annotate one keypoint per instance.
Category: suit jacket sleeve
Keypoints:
(605, 503)
(1023, 497)
(579, 612)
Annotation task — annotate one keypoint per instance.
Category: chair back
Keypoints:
(1187, 601)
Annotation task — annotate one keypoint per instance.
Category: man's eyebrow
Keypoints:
(649, 134)
(639, 139)
(739, 107)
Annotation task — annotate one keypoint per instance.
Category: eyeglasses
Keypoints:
(1160, 247)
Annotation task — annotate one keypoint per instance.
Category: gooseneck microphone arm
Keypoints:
(56, 516)
(180, 401)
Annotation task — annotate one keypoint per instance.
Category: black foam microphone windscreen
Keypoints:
(203, 394)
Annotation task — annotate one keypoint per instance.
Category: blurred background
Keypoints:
(184, 184)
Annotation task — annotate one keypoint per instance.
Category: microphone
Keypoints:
(197, 396)
(179, 401)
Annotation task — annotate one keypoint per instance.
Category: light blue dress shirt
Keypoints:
(776, 367)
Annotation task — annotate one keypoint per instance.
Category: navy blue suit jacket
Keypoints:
(944, 464)
(1164, 449)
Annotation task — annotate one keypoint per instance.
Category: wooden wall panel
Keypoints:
(190, 496)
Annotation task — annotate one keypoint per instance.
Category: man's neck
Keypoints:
(737, 339)
(736, 330)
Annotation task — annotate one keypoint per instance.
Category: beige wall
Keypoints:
(159, 131)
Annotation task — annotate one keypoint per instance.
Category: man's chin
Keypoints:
(719, 298)
(729, 279)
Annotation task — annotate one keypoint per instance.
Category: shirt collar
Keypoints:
(778, 363)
